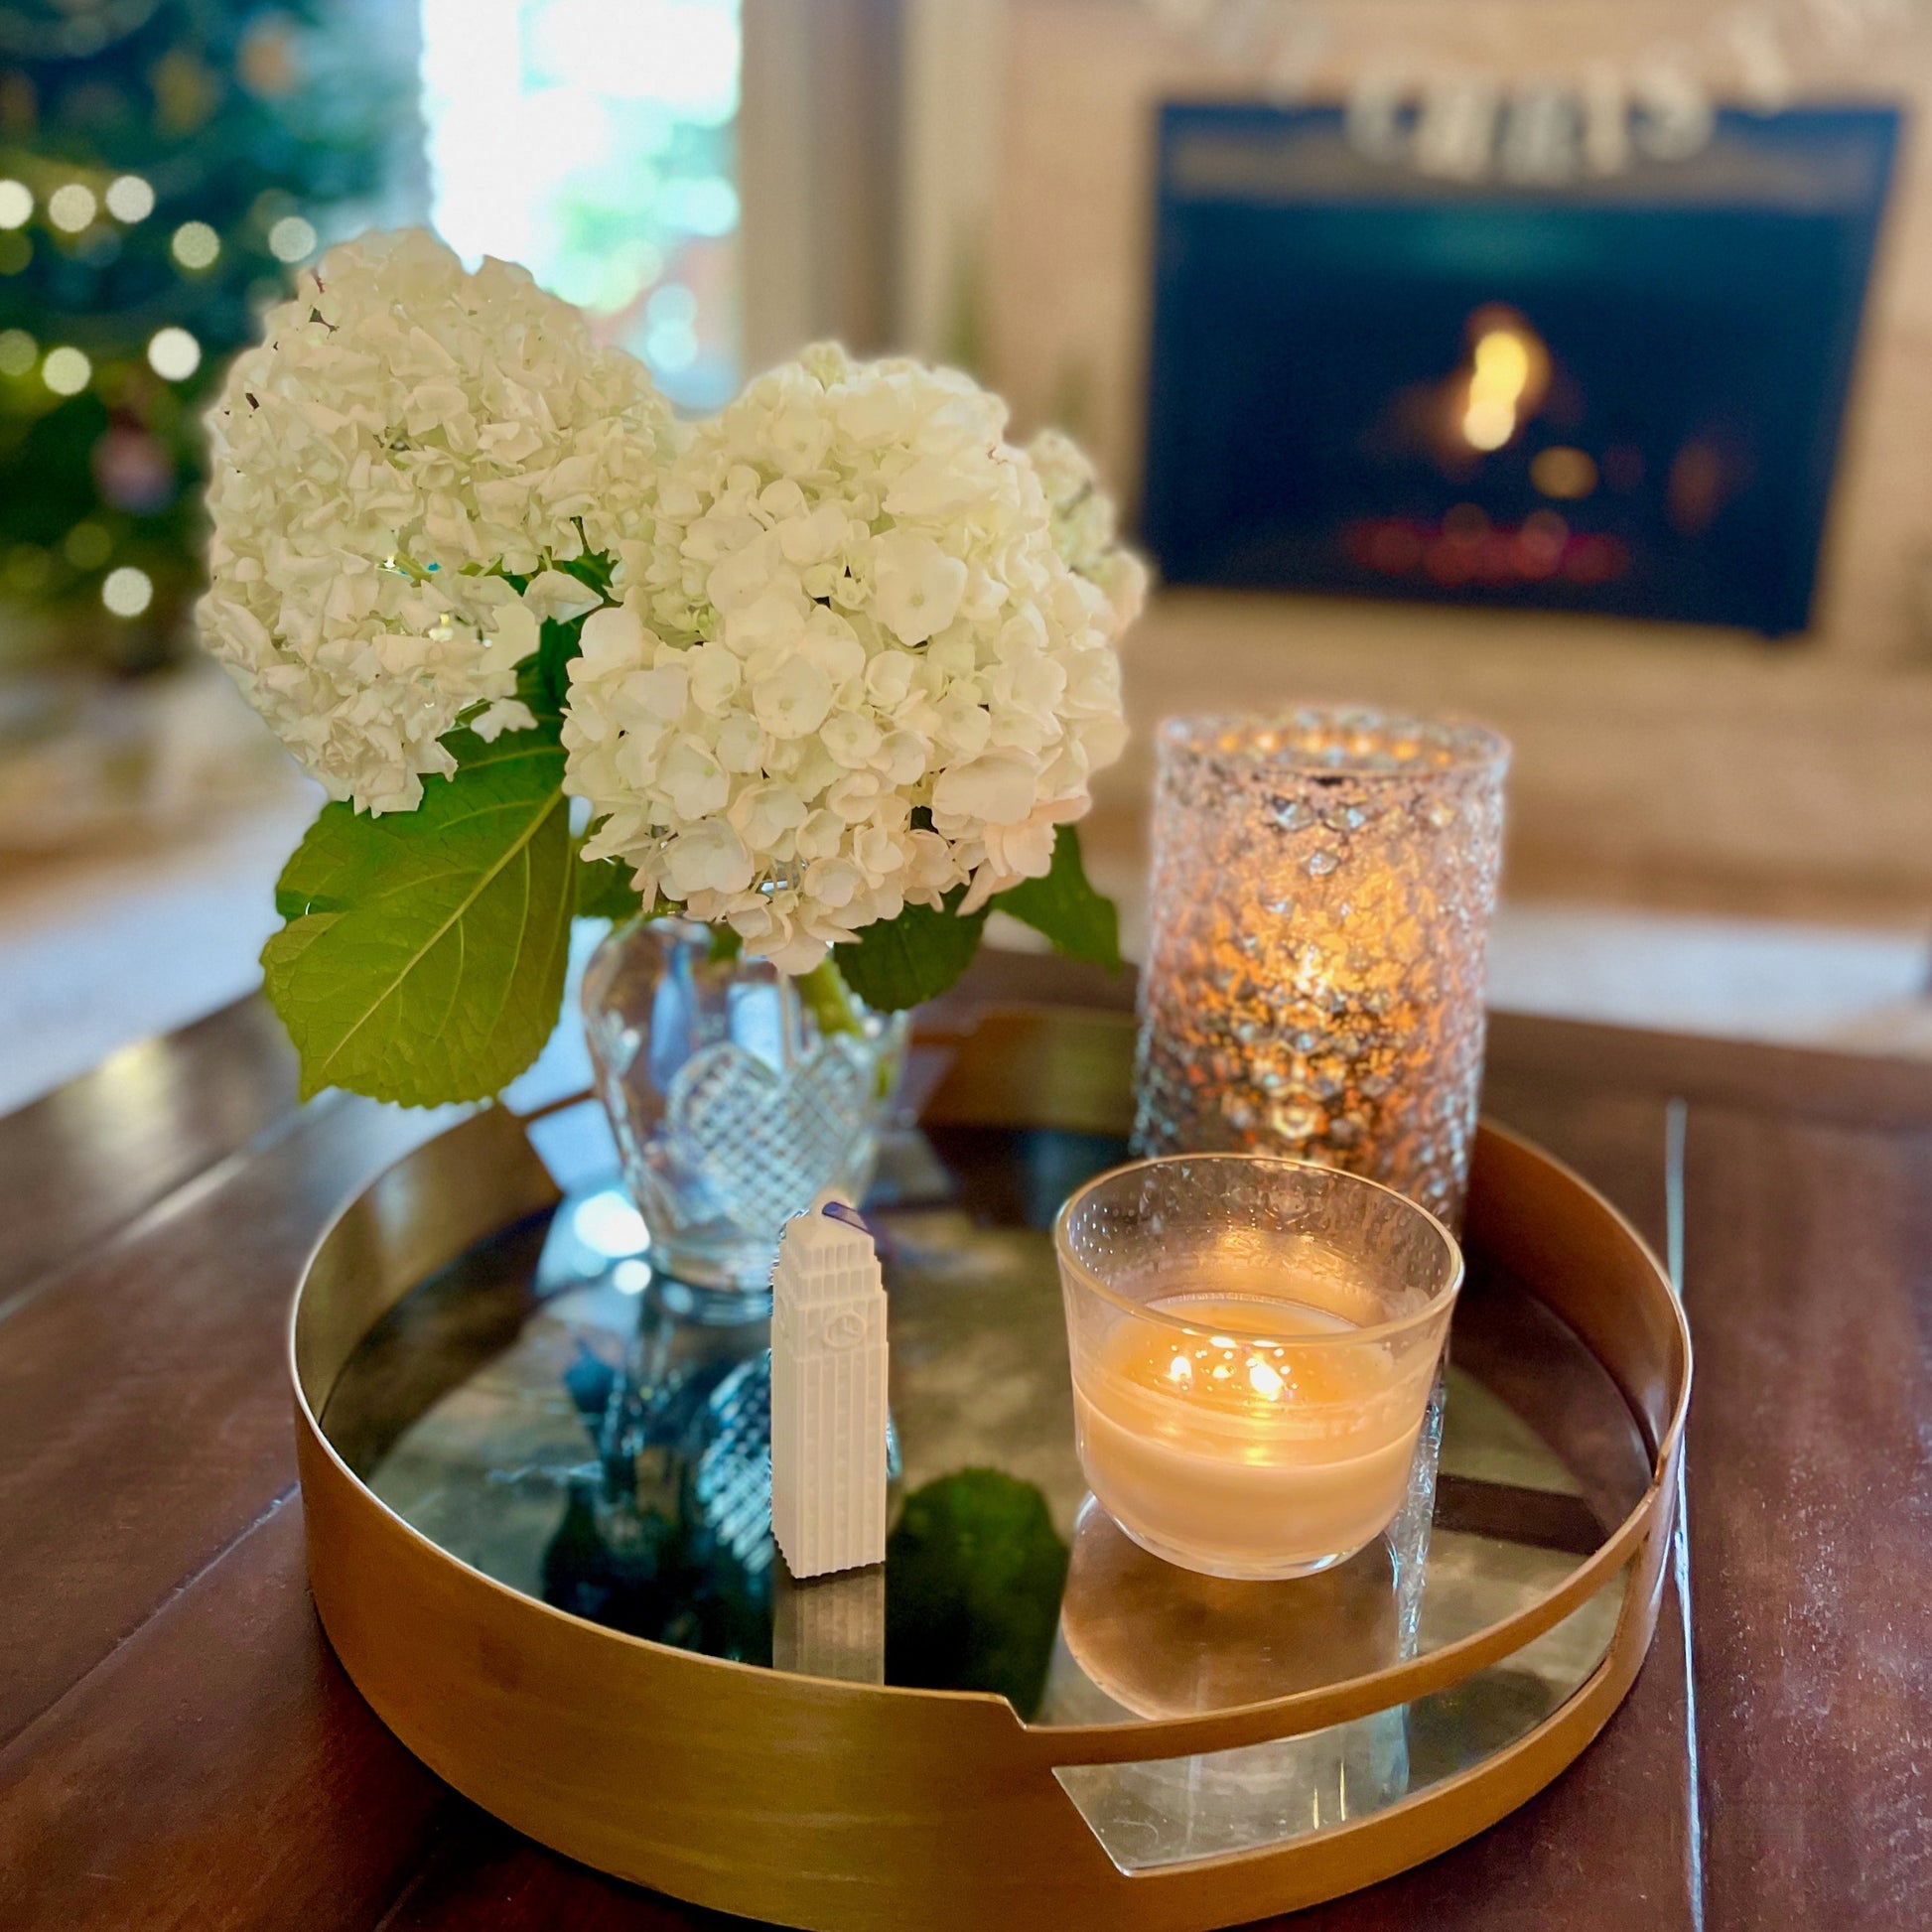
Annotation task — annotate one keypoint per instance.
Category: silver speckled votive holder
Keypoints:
(1322, 892)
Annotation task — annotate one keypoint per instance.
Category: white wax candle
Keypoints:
(1243, 1451)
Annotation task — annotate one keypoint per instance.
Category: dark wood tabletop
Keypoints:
(179, 1747)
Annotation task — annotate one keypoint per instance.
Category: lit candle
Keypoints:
(1245, 1455)
(1253, 1342)
(1321, 896)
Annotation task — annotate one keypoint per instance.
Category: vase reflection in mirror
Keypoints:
(736, 1095)
(666, 1529)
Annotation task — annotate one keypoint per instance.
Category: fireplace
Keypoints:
(1622, 396)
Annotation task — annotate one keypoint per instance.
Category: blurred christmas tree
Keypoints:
(163, 165)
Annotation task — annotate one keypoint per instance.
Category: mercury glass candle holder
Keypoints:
(1322, 892)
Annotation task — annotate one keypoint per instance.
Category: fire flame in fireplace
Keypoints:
(1509, 370)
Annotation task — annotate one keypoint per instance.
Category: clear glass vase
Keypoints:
(737, 1095)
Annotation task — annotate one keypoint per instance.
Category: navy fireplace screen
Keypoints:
(1620, 396)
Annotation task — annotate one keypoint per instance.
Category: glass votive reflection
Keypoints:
(1167, 1642)
(1321, 889)
(1253, 1342)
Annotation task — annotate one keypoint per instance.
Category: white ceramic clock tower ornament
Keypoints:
(828, 1394)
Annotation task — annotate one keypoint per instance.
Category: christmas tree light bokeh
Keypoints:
(164, 165)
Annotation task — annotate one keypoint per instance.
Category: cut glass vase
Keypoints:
(735, 1098)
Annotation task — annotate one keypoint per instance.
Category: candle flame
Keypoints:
(1262, 1379)
(1181, 1370)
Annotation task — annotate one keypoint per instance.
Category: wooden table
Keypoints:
(179, 1749)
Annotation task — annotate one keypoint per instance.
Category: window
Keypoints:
(594, 141)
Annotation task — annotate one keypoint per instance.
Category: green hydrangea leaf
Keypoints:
(424, 957)
(314, 873)
(543, 678)
(1076, 920)
(896, 964)
(974, 1571)
(604, 891)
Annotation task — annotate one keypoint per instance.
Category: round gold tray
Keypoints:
(1200, 1755)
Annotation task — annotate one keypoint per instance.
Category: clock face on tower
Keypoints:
(846, 1329)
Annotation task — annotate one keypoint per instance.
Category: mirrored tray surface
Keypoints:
(551, 1412)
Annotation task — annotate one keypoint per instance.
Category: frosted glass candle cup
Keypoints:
(1253, 1342)
(1321, 890)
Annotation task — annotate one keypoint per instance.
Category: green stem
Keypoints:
(829, 999)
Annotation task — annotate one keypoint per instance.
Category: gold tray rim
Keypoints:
(1011, 1065)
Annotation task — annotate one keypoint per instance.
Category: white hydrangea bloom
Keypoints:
(1084, 523)
(405, 432)
(851, 668)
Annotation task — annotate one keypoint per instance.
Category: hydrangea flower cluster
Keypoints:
(858, 652)
(1084, 524)
(864, 657)
(406, 435)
